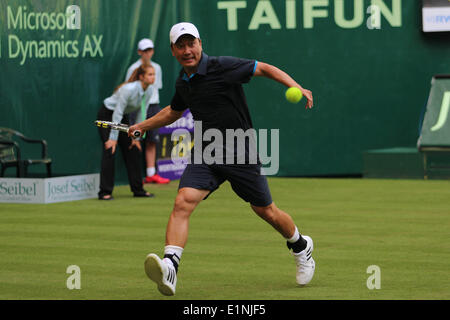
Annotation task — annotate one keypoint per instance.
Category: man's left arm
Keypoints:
(272, 72)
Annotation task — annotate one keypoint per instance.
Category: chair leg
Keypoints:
(24, 170)
(49, 169)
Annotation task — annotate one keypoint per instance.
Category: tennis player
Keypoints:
(212, 88)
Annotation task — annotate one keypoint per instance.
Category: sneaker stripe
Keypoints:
(171, 276)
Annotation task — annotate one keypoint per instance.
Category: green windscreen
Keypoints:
(367, 62)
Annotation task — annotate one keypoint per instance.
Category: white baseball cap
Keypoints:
(145, 44)
(183, 28)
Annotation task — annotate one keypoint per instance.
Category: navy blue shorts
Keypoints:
(245, 179)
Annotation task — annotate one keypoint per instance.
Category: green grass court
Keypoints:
(402, 226)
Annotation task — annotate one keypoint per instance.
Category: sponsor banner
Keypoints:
(436, 3)
(171, 170)
(22, 190)
(42, 31)
(185, 122)
(436, 19)
(435, 131)
(49, 190)
(166, 149)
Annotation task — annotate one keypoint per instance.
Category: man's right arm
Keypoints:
(163, 118)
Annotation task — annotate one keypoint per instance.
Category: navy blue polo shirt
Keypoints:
(214, 94)
(216, 97)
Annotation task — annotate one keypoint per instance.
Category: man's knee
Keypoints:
(185, 203)
(268, 213)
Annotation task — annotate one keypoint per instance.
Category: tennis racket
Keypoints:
(116, 126)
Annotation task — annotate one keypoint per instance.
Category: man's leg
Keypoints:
(164, 271)
(302, 247)
(249, 184)
(185, 202)
(280, 220)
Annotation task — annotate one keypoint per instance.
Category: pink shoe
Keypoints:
(156, 179)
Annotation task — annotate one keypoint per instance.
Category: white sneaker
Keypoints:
(305, 263)
(161, 272)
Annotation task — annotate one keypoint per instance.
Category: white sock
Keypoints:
(151, 171)
(295, 237)
(174, 250)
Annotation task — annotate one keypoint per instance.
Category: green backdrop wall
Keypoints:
(370, 77)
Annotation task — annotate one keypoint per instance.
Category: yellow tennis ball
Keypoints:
(294, 95)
